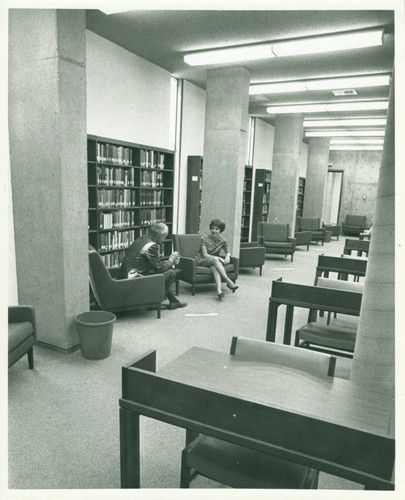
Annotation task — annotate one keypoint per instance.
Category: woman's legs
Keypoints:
(217, 279)
(221, 270)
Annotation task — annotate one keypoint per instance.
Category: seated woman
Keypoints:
(209, 255)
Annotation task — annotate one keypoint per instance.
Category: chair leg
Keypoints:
(193, 289)
(292, 257)
(185, 471)
(158, 309)
(177, 286)
(30, 355)
(260, 270)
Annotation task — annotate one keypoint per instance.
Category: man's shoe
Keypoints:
(176, 305)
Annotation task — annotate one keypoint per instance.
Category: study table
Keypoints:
(332, 425)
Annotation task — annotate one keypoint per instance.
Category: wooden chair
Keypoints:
(276, 238)
(252, 255)
(122, 295)
(343, 267)
(22, 334)
(188, 246)
(359, 246)
(240, 467)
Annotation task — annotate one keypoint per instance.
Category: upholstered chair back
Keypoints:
(356, 220)
(309, 224)
(274, 232)
(187, 244)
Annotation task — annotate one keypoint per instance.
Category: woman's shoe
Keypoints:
(221, 296)
(233, 288)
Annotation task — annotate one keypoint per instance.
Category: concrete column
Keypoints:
(47, 122)
(317, 173)
(225, 143)
(374, 356)
(285, 172)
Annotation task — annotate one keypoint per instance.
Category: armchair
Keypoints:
(318, 233)
(188, 246)
(252, 255)
(354, 224)
(276, 238)
(123, 295)
(22, 334)
(303, 238)
(237, 466)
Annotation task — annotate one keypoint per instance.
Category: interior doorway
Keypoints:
(333, 193)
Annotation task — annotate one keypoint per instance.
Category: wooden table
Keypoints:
(332, 425)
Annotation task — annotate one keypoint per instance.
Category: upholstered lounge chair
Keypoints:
(318, 233)
(123, 295)
(252, 255)
(22, 334)
(188, 246)
(239, 467)
(303, 238)
(276, 238)
(354, 224)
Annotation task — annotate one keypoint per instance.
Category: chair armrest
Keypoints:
(260, 240)
(293, 241)
(252, 255)
(188, 266)
(145, 290)
(19, 314)
(235, 262)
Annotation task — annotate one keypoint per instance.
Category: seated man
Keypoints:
(142, 258)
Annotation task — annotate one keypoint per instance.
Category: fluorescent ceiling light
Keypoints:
(346, 133)
(294, 47)
(326, 107)
(329, 43)
(359, 122)
(230, 54)
(322, 84)
(356, 148)
(357, 141)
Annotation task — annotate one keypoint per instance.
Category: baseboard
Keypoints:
(59, 349)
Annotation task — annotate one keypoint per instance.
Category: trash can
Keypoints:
(95, 330)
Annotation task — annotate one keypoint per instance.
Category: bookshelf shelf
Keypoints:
(261, 198)
(246, 203)
(194, 187)
(300, 196)
(130, 186)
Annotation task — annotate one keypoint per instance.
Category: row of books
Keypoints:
(116, 240)
(117, 219)
(110, 153)
(151, 215)
(115, 176)
(152, 159)
(152, 198)
(112, 260)
(111, 198)
(151, 178)
(245, 221)
(266, 198)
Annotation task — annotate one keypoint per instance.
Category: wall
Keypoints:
(128, 98)
(303, 160)
(192, 141)
(263, 145)
(360, 179)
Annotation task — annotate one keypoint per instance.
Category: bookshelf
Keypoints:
(300, 196)
(130, 187)
(246, 203)
(194, 186)
(261, 198)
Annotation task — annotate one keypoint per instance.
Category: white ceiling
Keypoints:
(164, 36)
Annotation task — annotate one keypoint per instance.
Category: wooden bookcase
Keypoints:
(130, 186)
(261, 198)
(300, 196)
(194, 187)
(246, 203)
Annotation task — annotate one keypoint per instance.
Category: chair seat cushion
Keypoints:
(240, 467)
(334, 336)
(17, 333)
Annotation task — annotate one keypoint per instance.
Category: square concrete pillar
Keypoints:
(317, 173)
(225, 143)
(285, 171)
(47, 121)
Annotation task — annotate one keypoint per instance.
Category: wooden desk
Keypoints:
(343, 266)
(332, 425)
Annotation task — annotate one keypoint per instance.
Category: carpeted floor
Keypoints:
(63, 415)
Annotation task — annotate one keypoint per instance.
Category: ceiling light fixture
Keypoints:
(294, 47)
(357, 141)
(354, 122)
(327, 107)
(356, 148)
(346, 133)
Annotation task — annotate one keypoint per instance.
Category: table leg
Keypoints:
(129, 449)
(271, 322)
(289, 314)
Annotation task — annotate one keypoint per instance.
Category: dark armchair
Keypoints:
(22, 334)
(354, 224)
(252, 255)
(276, 238)
(123, 295)
(312, 224)
(188, 246)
